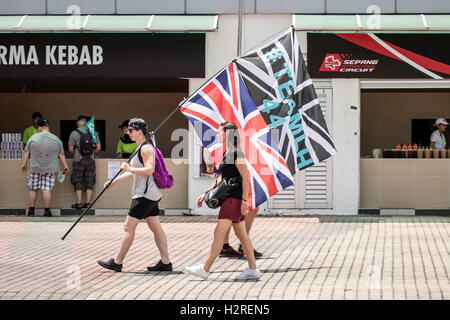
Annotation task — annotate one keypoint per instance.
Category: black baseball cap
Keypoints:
(138, 124)
(36, 115)
(124, 124)
(82, 117)
(42, 122)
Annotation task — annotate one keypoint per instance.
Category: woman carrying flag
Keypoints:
(234, 209)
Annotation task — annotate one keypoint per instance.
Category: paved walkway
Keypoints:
(304, 258)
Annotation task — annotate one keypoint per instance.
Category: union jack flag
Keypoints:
(226, 98)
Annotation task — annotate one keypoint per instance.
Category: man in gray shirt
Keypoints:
(43, 149)
(83, 175)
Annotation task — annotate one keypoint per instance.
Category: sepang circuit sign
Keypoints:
(370, 55)
(340, 62)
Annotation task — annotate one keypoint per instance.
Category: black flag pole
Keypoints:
(150, 136)
(152, 133)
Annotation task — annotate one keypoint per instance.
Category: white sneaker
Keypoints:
(197, 271)
(249, 274)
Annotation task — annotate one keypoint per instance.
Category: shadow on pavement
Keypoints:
(280, 270)
(153, 273)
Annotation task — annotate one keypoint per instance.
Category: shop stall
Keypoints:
(399, 169)
(401, 66)
(111, 68)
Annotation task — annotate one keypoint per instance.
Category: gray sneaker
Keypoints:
(249, 274)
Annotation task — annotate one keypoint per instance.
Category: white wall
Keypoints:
(346, 128)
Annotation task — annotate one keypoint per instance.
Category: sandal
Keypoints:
(85, 205)
(77, 206)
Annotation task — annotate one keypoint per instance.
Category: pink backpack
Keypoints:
(163, 177)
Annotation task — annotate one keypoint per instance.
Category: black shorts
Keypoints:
(142, 208)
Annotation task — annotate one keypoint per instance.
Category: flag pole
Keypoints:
(239, 41)
(152, 133)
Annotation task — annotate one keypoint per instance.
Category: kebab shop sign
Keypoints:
(56, 55)
(99, 55)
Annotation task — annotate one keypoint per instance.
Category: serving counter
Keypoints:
(14, 191)
(405, 183)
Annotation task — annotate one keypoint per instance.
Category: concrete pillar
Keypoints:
(346, 129)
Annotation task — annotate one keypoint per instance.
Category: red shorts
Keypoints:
(231, 210)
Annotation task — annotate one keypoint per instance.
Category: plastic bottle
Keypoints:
(420, 152)
(404, 152)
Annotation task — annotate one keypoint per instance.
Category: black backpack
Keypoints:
(86, 146)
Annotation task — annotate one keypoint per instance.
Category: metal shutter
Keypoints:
(313, 186)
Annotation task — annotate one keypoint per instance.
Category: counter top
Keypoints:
(14, 191)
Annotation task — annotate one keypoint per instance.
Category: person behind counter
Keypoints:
(437, 139)
(33, 129)
(43, 149)
(83, 175)
(125, 146)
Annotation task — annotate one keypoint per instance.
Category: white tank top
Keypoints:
(140, 182)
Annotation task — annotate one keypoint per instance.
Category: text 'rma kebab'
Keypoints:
(54, 55)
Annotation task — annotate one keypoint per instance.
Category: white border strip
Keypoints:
(403, 84)
(424, 20)
(216, 20)
(362, 28)
(20, 21)
(85, 21)
(150, 21)
(358, 20)
(405, 59)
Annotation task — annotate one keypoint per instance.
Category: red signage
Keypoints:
(369, 55)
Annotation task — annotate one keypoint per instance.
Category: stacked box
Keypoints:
(11, 146)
